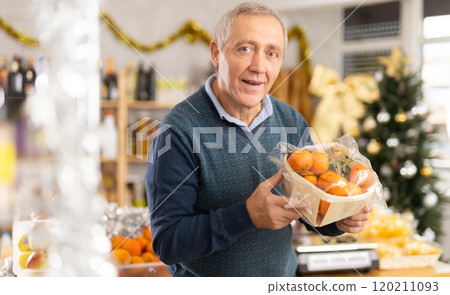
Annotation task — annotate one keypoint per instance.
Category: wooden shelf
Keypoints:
(133, 159)
(121, 163)
(105, 160)
(108, 104)
(151, 105)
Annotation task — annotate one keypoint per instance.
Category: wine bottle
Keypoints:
(110, 90)
(131, 74)
(151, 77)
(30, 76)
(15, 81)
(142, 83)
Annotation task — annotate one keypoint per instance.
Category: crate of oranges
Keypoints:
(332, 180)
(135, 256)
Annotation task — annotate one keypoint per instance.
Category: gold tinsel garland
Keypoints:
(299, 33)
(191, 31)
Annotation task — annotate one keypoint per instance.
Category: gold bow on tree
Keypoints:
(341, 102)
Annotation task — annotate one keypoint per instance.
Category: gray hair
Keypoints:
(223, 27)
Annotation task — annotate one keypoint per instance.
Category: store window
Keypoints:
(436, 69)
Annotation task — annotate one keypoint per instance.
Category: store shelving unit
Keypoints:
(122, 109)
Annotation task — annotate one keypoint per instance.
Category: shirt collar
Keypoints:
(265, 112)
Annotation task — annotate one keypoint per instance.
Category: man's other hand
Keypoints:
(354, 224)
(268, 210)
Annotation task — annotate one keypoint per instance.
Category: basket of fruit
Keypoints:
(332, 180)
(131, 242)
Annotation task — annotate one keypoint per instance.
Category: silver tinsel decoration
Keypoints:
(383, 116)
(408, 170)
(126, 222)
(66, 107)
(430, 200)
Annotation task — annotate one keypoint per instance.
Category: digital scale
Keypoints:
(338, 254)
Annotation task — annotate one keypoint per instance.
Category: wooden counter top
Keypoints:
(440, 269)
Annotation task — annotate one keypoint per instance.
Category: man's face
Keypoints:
(250, 60)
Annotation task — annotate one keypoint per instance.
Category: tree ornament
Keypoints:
(408, 170)
(401, 88)
(400, 117)
(411, 149)
(383, 116)
(420, 109)
(369, 124)
(400, 150)
(426, 171)
(427, 127)
(378, 76)
(386, 170)
(426, 188)
(392, 141)
(412, 134)
(373, 147)
(395, 64)
(430, 200)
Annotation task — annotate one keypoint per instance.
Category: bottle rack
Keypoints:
(119, 164)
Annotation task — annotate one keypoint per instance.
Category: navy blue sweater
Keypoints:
(197, 183)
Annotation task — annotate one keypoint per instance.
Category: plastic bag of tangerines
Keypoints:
(332, 180)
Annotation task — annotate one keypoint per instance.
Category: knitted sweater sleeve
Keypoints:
(179, 232)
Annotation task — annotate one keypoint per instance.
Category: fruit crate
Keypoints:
(151, 269)
(301, 191)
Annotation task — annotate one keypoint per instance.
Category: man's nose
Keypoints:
(258, 63)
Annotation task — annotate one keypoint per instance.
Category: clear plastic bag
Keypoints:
(330, 181)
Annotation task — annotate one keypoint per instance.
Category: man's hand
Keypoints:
(266, 209)
(354, 224)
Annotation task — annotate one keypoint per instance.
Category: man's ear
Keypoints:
(214, 49)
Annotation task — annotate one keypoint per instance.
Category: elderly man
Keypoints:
(209, 184)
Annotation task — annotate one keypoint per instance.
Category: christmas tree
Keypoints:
(396, 136)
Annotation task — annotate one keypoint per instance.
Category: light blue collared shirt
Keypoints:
(265, 112)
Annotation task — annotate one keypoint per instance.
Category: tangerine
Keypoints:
(117, 241)
(300, 160)
(362, 176)
(311, 179)
(309, 176)
(327, 179)
(132, 246)
(354, 189)
(137, 259)
(323, 207)
(320, 163)
(121, 256)
(147, 233)
(332, 183)
(148, 257)
(339, 189)
(143, 241)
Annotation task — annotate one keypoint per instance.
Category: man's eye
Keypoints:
(245, 49)
(272, 54)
